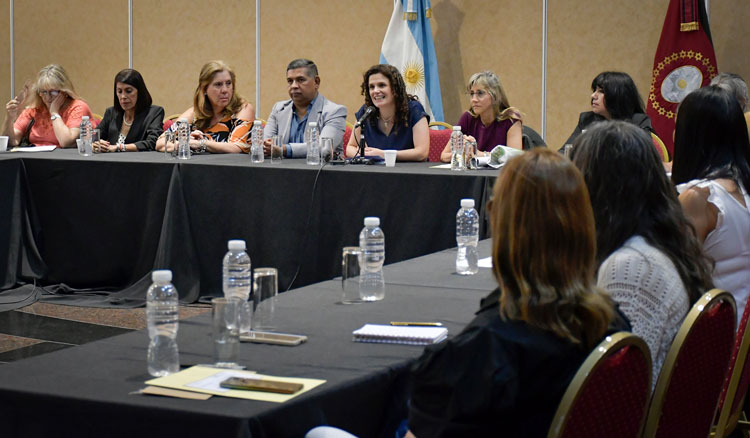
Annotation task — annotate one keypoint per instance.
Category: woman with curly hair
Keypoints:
(399, 121)
(490, 121)
(221, 117)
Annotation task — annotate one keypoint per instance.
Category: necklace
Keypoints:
(126, 123)
(389, 121)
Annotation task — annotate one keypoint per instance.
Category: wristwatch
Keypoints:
(202, 147)
(54, 116)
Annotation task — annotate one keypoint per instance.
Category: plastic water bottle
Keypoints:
(162, 316)
(183, 139)
(467, 237)
(371, 258)
(313, 145)
(85, 136)
(237, 276)
(457, 149)
(256, 143)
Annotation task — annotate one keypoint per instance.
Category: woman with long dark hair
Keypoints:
(399, 121)
(132, 123)
(614, 97)
(712, 169)
(649, 258)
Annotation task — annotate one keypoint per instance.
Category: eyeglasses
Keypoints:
(51, 93)
(479, 94)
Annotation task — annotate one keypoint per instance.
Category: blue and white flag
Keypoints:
(408, 46)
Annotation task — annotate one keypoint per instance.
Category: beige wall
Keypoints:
(172, 39)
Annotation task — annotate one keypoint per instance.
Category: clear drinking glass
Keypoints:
(226, 335)
(326, 149)
(170, 148)
(265, 289)
(350, 274)
(277, 155)
(94, 138)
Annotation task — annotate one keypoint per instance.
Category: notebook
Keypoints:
(409, 335)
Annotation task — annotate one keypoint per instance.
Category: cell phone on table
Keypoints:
(251, 384)
(273, 338)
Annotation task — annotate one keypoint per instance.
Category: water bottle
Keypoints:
(85, 136)
(237, 276)
(371, 258)
(467, 237)
(256, 143)
(313, 145)
(183, 139)
(457, 149)
(162, 317)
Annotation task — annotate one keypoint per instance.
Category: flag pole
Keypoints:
(544, 69)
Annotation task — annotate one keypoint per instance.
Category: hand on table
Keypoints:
(103, 146)
(374, 152)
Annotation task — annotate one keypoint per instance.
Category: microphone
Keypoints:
(368, 112)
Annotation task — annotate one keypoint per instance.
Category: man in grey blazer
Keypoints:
(289, 118)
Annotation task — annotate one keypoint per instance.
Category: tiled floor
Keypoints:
(42, 328)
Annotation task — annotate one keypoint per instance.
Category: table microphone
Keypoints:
(368, 112)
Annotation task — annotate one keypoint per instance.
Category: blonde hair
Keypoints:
(51, 77)
(491, 83)
(544, 248)
(202, 108)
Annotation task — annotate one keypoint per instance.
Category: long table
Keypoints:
(84, 391)
(92, 228)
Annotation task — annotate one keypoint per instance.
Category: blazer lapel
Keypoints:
(136, 129)
(285, 117)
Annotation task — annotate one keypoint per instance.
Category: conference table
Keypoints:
(89, 390)
(90, 229)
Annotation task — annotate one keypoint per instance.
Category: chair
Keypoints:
(691, 378)
(347, 133)
(95, 119)
(531, 138)
(660, 148)
(608, 396)
(438, 139)
(167, 124)
(736, 383)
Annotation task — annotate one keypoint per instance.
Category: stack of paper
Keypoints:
(389, 334)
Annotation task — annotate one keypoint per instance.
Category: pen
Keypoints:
(423, 324)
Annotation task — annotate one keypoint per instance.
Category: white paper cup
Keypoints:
(390, 157)
(3, 143)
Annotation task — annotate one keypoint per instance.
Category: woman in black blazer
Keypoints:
(132, 124)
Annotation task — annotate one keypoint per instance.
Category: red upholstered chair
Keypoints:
(347, 133)
(95, 119)
(660, 148)
(438, 139)
(693, 373)
(167, 124)
(609, 394)
(736, 384)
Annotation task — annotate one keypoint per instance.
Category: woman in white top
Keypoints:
(712, 167)
(650, 260)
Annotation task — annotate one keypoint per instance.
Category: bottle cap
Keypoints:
(467, 203)
(372, 221)
(313, 124)
(161, 276)
(236, 245)
(257, 123)
(457, 128)
(85, 118)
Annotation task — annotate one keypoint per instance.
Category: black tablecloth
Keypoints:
(90, 229)
(83, 391)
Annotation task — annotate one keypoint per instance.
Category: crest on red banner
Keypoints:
(684, 61)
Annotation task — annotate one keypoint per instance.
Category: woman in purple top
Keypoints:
(491, 120)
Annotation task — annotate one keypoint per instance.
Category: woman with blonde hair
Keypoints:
(222, 119)
(509, 368)
(490, 121)
(53, 116)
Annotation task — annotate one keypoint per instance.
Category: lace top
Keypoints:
(650, 292)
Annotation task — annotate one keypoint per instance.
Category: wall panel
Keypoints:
(89, 39)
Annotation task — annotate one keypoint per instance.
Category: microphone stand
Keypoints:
(362, 142)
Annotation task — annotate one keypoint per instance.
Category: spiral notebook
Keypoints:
(388, 334)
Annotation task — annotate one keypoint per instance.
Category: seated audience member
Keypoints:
(649, 258)
(712, 170)
(490, 121)
(509, 368)
(735, 85)
(614, 97)
(399, 121)
(53, 115)
(289, 118)
(133, 123)
(222, 119)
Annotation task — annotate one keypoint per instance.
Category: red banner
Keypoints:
(684, 61)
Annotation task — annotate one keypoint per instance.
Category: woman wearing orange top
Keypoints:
(221, 118)
(53, 116)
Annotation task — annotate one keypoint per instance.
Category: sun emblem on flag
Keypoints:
(413, 76)
(680, 82)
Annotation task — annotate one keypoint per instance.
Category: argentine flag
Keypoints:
(408, 46)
